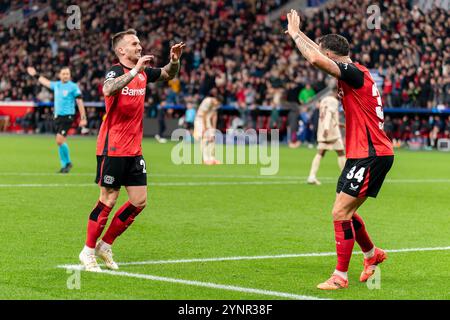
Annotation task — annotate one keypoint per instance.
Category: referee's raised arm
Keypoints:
(42, 80)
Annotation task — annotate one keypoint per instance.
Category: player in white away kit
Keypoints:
(328, 136)
(205, 125)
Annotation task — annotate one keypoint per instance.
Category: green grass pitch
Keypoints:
(198, 212)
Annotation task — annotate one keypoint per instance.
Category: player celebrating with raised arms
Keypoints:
(119, 150)
(369, 151)
(66, 94)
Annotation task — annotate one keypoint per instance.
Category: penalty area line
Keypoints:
(203, 284)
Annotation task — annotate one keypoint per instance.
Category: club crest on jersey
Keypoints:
(141, 77)
(65, 93)
(108, 180)
(110, 75)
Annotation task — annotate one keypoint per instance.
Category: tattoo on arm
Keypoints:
(111, 87)
(310, 41)
(311, 52)
(307, 50)
(170, 70)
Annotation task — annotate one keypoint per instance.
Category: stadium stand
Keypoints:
(231, 46)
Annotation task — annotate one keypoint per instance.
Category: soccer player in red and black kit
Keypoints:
(369, 151)
(119, 151)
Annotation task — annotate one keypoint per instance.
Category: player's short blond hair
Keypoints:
(115, 39)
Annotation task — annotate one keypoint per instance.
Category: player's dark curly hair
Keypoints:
(336, 43)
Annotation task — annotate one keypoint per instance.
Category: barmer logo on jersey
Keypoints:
(108, 180)
(133, 92)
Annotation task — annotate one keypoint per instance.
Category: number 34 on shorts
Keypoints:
(364, 177)
(359, 176)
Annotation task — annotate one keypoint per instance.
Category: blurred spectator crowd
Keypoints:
(232, 46)
(233, 50)
(410, 51)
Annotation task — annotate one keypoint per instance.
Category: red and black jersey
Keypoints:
(364, 118)
(122, 129)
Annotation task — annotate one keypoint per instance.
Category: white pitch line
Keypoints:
(155, 184)
(237, 258)
(289, 179)
(169, 175)
(206, 285)
(47, 185)
(211, 183)
(230, 287)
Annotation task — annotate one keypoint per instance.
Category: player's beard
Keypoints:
(134, 57)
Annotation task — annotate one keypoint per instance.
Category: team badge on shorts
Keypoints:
(108, 180)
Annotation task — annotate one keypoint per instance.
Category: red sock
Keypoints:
(345, 239)
(361, 235)
(96, 223)
(123, 218)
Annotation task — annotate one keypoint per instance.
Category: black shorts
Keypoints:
(364, 177)
(63, 124)
(189, 125)
(114, 172)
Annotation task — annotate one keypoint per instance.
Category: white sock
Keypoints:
(212, 150)
(103, 245)
(369, 254)
(88, 250)
(341, 274)
(341, 162)
(205, 150)
(315, 166)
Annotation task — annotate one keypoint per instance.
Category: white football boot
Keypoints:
(104, 252)
(313, 180)
(89, 262)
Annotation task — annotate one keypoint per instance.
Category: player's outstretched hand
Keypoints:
(176, 51)
(144, 62)
(31, 71)
(293, 23)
